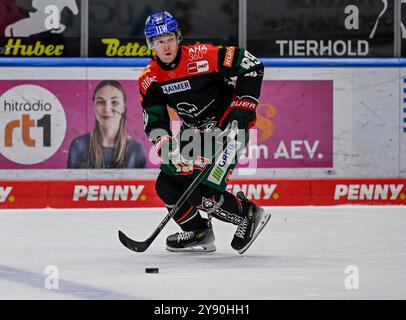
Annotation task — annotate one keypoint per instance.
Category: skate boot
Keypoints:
(201, 240)
(253, 223)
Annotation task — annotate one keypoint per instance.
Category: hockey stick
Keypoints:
(141, 246)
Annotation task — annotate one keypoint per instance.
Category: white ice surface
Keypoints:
(301, 254)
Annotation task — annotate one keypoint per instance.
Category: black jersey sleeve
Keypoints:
(249, 72)
(156, 116)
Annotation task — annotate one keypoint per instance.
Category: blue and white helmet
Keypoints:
(160, 24)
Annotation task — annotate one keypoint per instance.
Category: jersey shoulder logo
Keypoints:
(228, 58)
(146, 78)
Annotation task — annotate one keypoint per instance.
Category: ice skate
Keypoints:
(249, 229)
(192, 241)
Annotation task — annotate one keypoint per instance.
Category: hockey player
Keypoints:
(195, 82)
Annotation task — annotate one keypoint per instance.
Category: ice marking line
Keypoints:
(36, 280)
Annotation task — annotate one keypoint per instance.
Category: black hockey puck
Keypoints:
(152, 270)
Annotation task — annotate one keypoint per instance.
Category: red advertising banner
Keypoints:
(103, 194)
(141, 193)
(358, 191)
(23, 194)
(273, 192)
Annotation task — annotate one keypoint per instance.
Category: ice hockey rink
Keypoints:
(344, 252)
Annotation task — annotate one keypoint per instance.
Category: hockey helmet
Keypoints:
(160, 24)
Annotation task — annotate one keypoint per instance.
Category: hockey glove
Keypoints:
(182, 165)
(230, 131)
(169, 151)
(243, 109)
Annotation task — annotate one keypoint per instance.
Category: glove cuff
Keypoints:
(244, 102)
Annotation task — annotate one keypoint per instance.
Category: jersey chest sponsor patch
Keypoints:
(197, 52)
(198, 67)
(176, 87)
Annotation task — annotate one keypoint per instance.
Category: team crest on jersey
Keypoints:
(185, 108)
(198, 67)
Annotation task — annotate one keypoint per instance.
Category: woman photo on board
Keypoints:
(108, 145)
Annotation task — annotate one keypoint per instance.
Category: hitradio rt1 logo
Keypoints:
(32, 126)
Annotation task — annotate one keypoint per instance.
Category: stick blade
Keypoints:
(131, 244)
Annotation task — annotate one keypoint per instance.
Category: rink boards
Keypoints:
(141, 193)
(329, 131)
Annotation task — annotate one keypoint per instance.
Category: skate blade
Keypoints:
(201, 248)
(264, 220)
